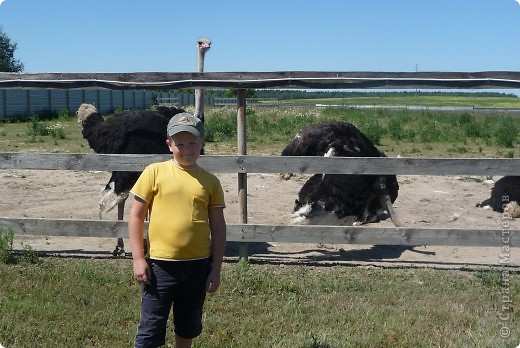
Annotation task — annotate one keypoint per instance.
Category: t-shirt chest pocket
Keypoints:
(199, 210)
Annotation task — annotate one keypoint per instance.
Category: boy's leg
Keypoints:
(182, 342)
(189, 300)
(156, 302)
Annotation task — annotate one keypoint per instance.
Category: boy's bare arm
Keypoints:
(136, 234)
(217, 224)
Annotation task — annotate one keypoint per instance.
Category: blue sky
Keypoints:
(266, 35)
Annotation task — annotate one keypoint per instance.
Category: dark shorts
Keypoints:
(180, 285)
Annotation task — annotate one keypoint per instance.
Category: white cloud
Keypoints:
(1, 1)
(518, 1)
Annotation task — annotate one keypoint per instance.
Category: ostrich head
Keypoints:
(84, 111)
(513, 209)
(203, 44)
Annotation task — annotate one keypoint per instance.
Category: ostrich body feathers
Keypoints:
(339, 199)
(128, 132)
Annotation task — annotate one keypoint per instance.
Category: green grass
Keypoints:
(95, 303)
(59, 135)
(8, 255)
(396, 132)
(393, 99)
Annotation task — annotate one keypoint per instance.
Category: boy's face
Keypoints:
(185, 148)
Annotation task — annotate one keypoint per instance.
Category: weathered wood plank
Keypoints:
(65, 227)
(62, 161)
(271, 164)
(281, 79)
(282, 233)
(373, 235)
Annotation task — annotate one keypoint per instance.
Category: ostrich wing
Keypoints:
(317, 139)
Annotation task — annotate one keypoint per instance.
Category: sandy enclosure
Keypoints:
(424, 201)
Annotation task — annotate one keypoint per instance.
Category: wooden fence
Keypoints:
(243, 164)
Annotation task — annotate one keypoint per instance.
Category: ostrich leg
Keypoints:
(120, 247)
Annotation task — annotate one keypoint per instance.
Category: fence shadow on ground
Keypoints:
(321, 253)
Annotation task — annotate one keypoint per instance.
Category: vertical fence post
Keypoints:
(67, 101)
(242, 177)
(111, 100)
(28, 102)
(49, 100)
(4, 102)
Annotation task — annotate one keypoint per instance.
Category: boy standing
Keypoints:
(186, 237)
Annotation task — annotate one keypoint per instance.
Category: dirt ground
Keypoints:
(424, 201)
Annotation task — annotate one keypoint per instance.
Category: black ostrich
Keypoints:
(129, 132)
(505, 196)
(340, 199)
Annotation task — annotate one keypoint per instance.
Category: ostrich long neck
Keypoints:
(199, 92)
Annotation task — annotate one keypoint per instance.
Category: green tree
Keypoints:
(7, 61)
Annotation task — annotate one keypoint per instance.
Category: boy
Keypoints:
(186, 237)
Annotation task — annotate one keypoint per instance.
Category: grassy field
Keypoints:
(396, 132)
(70, 302)
(443, 99)
(95, 303)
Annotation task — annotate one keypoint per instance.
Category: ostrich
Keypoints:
(505, 196)
(203, 45)
(340, 199)
(129, 132)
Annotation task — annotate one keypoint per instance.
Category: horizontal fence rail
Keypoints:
(282, 233)
(283, 79)
(270, 164)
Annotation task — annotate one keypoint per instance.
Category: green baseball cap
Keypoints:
(185, 122)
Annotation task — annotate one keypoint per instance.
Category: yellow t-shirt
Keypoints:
(179, 200)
